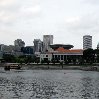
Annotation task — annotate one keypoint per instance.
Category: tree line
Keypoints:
(89, 56)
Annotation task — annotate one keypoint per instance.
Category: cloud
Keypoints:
(49, 16)
(87, 23)
(72, 19)
(30, 10)
(6, 17)
(74, 28)
(93, 2)
(6, 2)
(13, 11)
(8, 36)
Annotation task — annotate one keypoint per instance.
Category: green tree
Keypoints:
(96, 51)
(61, 63)
(37, 60)
(88, 55)
(53, 60)
(9, 58)
(66, 62)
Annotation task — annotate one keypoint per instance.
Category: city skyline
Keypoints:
(67, 21)
(44, 45)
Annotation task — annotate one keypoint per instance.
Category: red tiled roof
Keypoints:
(62, 50)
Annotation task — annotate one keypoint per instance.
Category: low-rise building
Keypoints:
(62, 54)
(28, 50)
(46, 56)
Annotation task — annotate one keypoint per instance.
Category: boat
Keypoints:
(12, 66)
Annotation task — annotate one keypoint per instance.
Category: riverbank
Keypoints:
(57, 67)
(60, 67)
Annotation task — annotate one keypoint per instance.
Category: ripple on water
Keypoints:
(50, 84)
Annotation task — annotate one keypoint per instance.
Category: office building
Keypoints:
(19, 43)
(1, 47)
(47, 41)
(28, 50)
(37, 45)
(87, 42)
(1, 51)
(7, 49)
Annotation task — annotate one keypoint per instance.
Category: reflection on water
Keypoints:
(49, 84)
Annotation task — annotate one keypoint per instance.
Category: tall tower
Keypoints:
(19, 43)
(37, 45)
(87, 42)
(47, 40)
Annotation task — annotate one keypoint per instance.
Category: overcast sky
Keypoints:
(67, 20)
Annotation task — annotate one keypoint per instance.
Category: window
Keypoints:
(61, 57)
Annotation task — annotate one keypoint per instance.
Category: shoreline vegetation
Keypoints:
(39, 66)
(88, 61)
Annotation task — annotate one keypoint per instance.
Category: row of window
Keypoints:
(64, 57)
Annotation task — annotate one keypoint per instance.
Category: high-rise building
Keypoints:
(1, 47)
(87, 42)
(1, 51)
(19, 43)
(98, 46)
(7, 49)
(47, 41)
(37, 45)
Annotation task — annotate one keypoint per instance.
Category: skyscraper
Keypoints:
(87, 42)
(19, 43)
(37, 45)
(47, 40)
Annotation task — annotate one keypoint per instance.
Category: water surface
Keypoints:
(49, 84)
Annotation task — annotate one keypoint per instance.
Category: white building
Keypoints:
(87, 42)
(46, 56)
(47, 40)
(62, 54)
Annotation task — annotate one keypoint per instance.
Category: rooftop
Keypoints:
(62, 50)
(65, 46)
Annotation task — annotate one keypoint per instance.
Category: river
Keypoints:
(49, 84)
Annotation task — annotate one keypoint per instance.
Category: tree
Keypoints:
(61, 63)
(88, 55)
(66, 62)
(96, 51)
(37, 60)
(9, 58)
(53, 60)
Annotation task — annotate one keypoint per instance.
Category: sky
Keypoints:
(67, 20)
